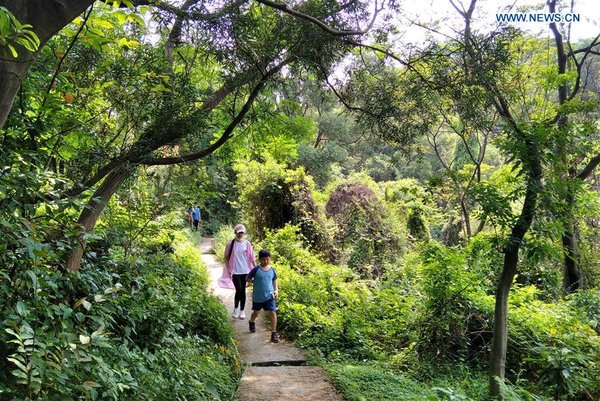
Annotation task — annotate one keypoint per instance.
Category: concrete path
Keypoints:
(274, 371)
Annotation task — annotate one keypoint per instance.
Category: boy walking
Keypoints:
(264, 292)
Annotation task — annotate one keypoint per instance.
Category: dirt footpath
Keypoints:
(274, 371)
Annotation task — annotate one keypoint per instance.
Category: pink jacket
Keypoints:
(225, 280)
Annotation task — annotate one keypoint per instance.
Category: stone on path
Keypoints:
(266, 382)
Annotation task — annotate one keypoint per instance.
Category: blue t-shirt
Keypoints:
(196, 213)
(262, 284)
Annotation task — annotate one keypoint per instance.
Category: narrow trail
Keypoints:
(274, 371)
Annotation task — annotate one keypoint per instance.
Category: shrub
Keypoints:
(412, 203)
(273, 196)
(433, 311)
(551, 343)
(140, 327)
(365, 382)
(329, 308)
(587, 302)
(446, 315)
(365, 229)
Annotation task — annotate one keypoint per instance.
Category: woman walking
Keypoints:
(239, 260)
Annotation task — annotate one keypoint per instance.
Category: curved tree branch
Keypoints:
(194, 15)
(589, 168)
(319, 23)
(227, 133)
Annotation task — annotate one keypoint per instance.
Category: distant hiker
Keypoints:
(239, 260)
(195, 217)
(264, 292)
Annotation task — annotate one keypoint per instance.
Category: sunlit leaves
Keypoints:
(498, 196)
(103, 28)
(13, 33)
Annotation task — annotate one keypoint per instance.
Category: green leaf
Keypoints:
(96, 32)
(103, 24)
(4, 21)
(137, 19)
(33, 277)
(13, 51)
(20, 374)
(18, 364)
(12, 332)
(21, 308)
(121, 16)
(212, 389)
(98, 332)
(86, 304)
(89, 385)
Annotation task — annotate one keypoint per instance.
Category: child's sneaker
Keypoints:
(236, 313)
(242, 314)
(252, 326)
(274, 337)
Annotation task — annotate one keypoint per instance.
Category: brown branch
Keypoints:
(100, 174)
(319, 23)
(183, 12)
(353, 42)
(589, 168)
(227, 134)
(345, 102)
(174, 38)
(587, 49)
(578, 65)
(433, 142)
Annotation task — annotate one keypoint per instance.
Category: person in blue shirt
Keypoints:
(195, 216)
(264, 292)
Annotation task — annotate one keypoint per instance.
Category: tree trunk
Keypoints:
(572, 275)
(572, 270)
(89, 216)
(509, 269)
(481, 224)
(11, 75)
(47, 18)
(500, 333)
(467, 218)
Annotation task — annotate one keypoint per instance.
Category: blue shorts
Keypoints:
(268, 305)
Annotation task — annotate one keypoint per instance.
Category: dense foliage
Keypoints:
(367, 233)
(135, 322)
(273, 196)
(379, 338)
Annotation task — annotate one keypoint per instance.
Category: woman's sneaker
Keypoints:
(274, 337)
(242, 314)
(252, 326)
(236, 313)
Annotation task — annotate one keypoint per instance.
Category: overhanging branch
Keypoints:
(589, 169)
(227, 133)
(319, 23)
